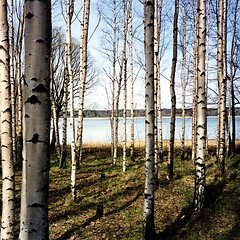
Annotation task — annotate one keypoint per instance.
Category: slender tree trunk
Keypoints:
(207, 63)
(183, 78)
(131, 82)
(62, 163)
(222, 89)
(12, 82)
(36, 123)
(8, 187)
(19, 87)
(54, 113)
(70, 7)
(200, 177)
(125, 28)
(233, 146)
(159, 98)
(83, 76)
(172, 92)
(194, 100)
(113, 112)
(148, 214)
(156, 87)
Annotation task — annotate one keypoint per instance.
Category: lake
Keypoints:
(97, 130)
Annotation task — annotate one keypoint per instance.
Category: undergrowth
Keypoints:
(121, 197)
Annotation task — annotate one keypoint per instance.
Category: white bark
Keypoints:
(36, 122)
(83, 74)
(148, 211)
(70, 7)
(7, 221)
(200, 177)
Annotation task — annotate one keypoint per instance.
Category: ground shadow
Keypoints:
(188, 217)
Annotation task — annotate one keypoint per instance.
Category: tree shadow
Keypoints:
(94, 218)
(188, 217)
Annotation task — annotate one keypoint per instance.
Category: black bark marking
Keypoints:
(39, 41)
(36, 205)
(40, 88)
(29, 15)
(35, 139)
(33, 100)
(34, 79)
(27, 116)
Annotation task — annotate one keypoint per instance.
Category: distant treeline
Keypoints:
(141, 112)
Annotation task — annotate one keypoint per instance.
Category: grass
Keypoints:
(121, 196)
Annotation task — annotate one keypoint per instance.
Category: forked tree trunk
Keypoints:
(8, 187)
(148, 212)
(36, 123)
(200, 177)
(172, 92)
(83, 76)
(19, 91)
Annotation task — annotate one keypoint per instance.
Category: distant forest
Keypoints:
(141, 112)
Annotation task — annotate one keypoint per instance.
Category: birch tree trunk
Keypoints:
(54, 113)
(62, 163)
(131, 81)
(194, 99)
(113, 122)
(172, 92)
(183, 78)
(70, 7)
(19, 87)
(36, 123)
(148, 214)
(159, 97)
(156, 87)
(200, 177)
(8, 195)
(12, 82)
(83, 76)
(233, 146)
(222, 90)
(125, 28)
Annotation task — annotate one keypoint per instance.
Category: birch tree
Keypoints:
(222, 88)
(70, 10)
(7, 221)
(19, 87)
(131, 79)
(36, 122)
(232, 58)
(83, 74)
(172, 92)
(124, 57)
(148, 214)
(184, 51)
(200, 177)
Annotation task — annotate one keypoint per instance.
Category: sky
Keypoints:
(97, 98)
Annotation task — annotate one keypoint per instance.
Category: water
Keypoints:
(97, 130)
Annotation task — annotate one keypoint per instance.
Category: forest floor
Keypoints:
(121, 196)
